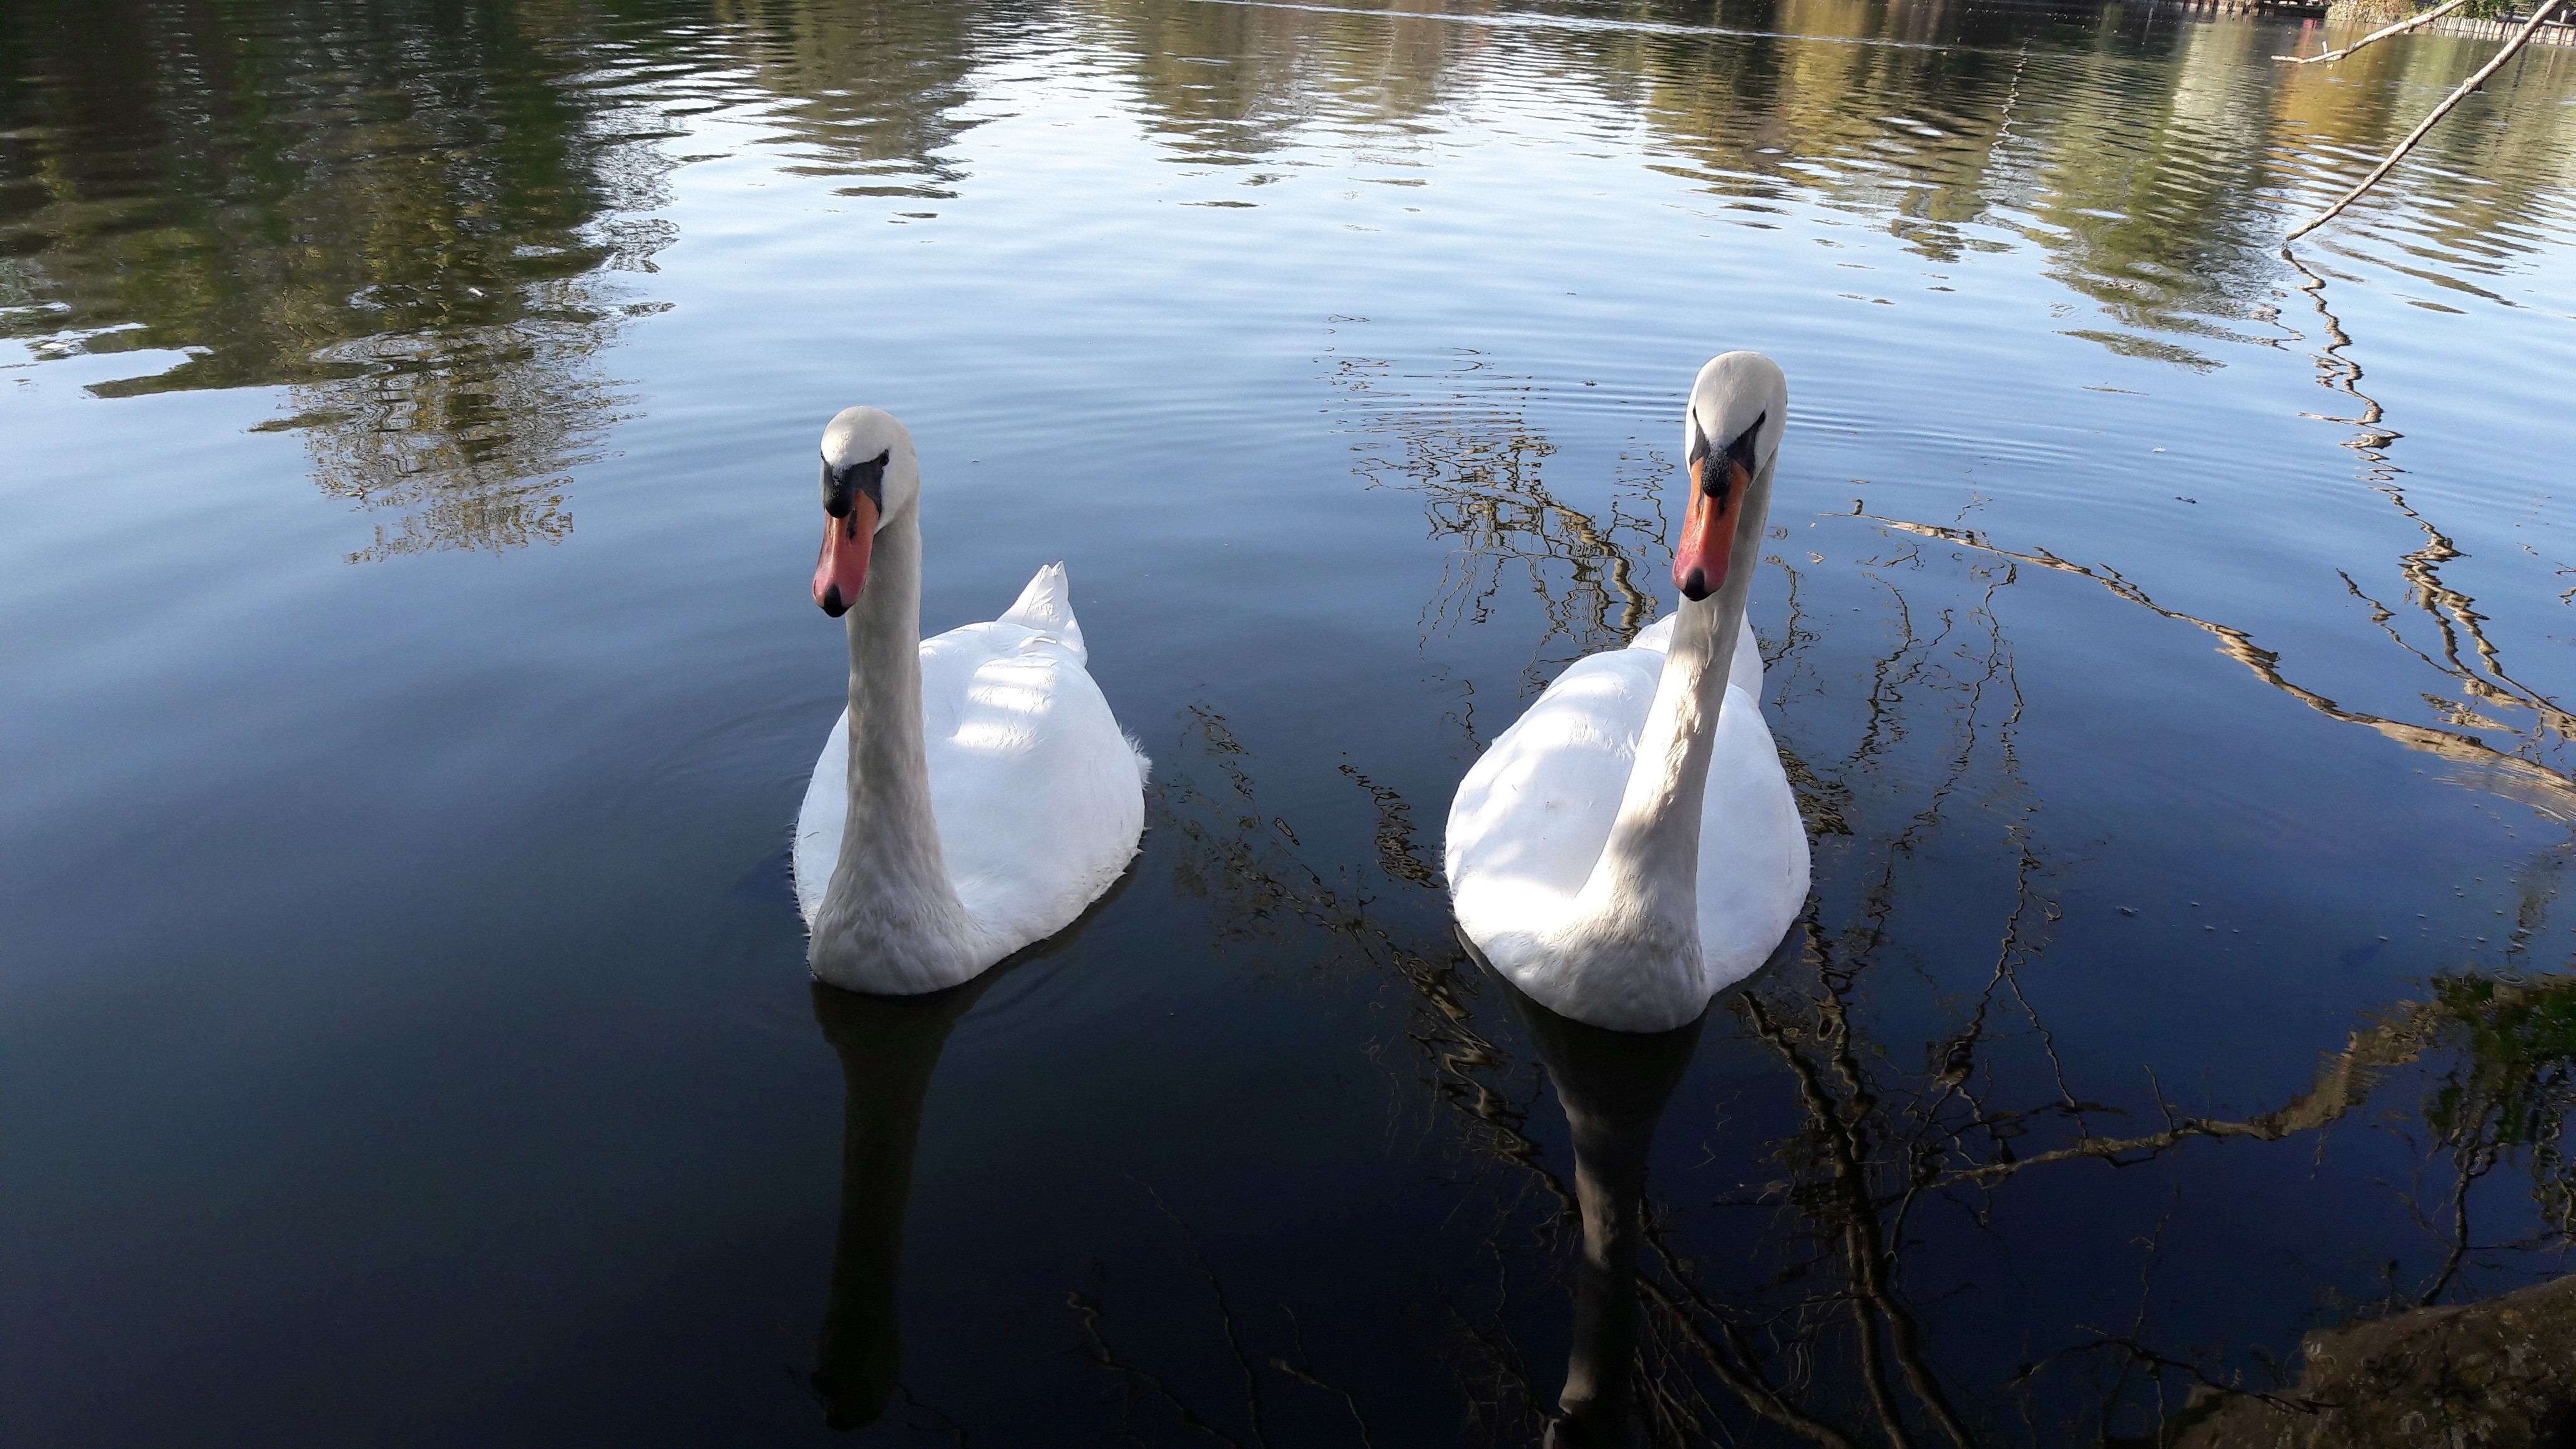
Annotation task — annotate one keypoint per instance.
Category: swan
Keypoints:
(1629, 846)
(977, 793)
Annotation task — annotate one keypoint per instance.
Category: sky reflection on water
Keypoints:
(408, 1033)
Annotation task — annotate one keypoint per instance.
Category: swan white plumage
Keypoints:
(1630, 845)
(977, 794)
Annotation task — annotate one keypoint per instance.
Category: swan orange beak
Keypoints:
(1708, 528)
(842, 571)
(1720, 477)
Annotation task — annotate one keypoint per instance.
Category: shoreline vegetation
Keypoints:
(2496, 21)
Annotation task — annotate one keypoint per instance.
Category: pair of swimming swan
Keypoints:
(1625, 850)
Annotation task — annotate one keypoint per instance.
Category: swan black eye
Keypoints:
(1740, 452)
(859, 478)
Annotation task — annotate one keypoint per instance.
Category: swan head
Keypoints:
(869, 475)
(1739, 407)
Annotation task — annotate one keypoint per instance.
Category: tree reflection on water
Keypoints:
(1906, 1116)
(1783, 1310)
(426, 223)
(412, 223)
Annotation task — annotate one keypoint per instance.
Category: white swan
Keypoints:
(977, 794)
(1630, 846)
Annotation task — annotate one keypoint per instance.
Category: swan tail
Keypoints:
(1144, 762)
(1046, 605)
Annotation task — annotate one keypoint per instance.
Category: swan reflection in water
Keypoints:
(888, 1046)
(1613, 1086)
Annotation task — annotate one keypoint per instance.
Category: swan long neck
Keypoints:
(1645, 885)
(890, 844)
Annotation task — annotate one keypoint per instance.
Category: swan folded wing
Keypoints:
(1753, 849)
(819, 823)
(1532, 816)
(948, 664)
(1036, 791)
(1046, 606)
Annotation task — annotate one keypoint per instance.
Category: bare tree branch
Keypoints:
(2400, 28)
(2539, 14)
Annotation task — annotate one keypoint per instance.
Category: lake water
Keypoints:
(411, 677)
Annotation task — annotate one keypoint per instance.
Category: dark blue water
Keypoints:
(410, 679)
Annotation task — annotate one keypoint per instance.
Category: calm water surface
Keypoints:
(411, 678)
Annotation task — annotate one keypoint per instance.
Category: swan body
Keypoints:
(977, 793)
(1630, 846)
